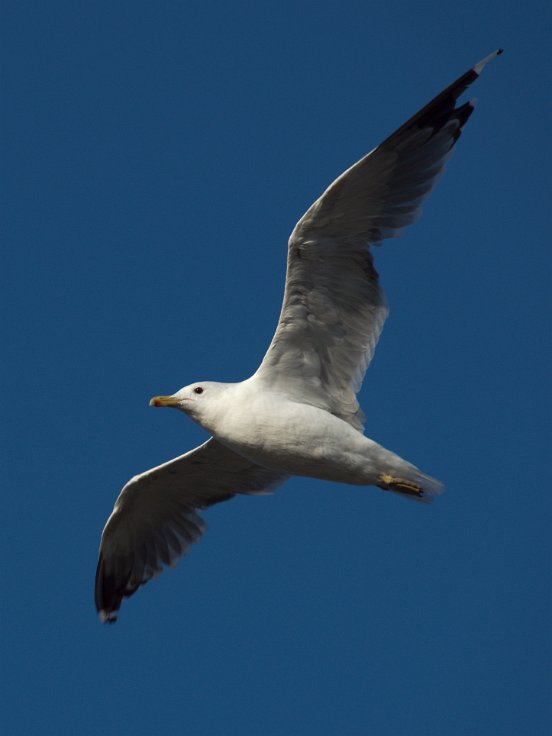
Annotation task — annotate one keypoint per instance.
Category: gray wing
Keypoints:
(334, 308)
(155, 521)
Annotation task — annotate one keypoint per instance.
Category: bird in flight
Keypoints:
(298, 414)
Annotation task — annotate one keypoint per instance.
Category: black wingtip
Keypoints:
(442, 108)
(107, 600)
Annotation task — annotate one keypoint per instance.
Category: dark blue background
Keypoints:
(155, 159)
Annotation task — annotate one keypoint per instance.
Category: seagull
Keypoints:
(298, 414)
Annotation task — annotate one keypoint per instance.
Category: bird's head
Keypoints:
(198, 400)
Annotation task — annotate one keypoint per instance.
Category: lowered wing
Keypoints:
(155, 520)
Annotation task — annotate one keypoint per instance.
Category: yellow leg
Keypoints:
(402, 485)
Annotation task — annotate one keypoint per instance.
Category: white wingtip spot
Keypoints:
(478, 68)
(106, 617)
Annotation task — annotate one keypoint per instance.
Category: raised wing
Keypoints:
(154, 521)
(334, 308)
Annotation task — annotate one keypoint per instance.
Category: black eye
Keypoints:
(198, 390)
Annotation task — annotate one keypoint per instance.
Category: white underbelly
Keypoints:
(304, 440)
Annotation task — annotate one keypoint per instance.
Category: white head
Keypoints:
(198, 400)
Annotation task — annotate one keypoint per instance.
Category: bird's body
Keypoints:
(294, 438)
(298, 414)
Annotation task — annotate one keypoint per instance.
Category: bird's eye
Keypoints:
(198, 390)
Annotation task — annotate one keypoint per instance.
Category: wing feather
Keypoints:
(334, 308)
(154, 521)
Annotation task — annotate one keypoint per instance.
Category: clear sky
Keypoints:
(155, 157)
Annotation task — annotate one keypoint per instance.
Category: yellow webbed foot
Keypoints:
(401, 485)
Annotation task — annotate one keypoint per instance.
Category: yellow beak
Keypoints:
(164, 401)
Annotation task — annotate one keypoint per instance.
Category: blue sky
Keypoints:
(155, 159)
